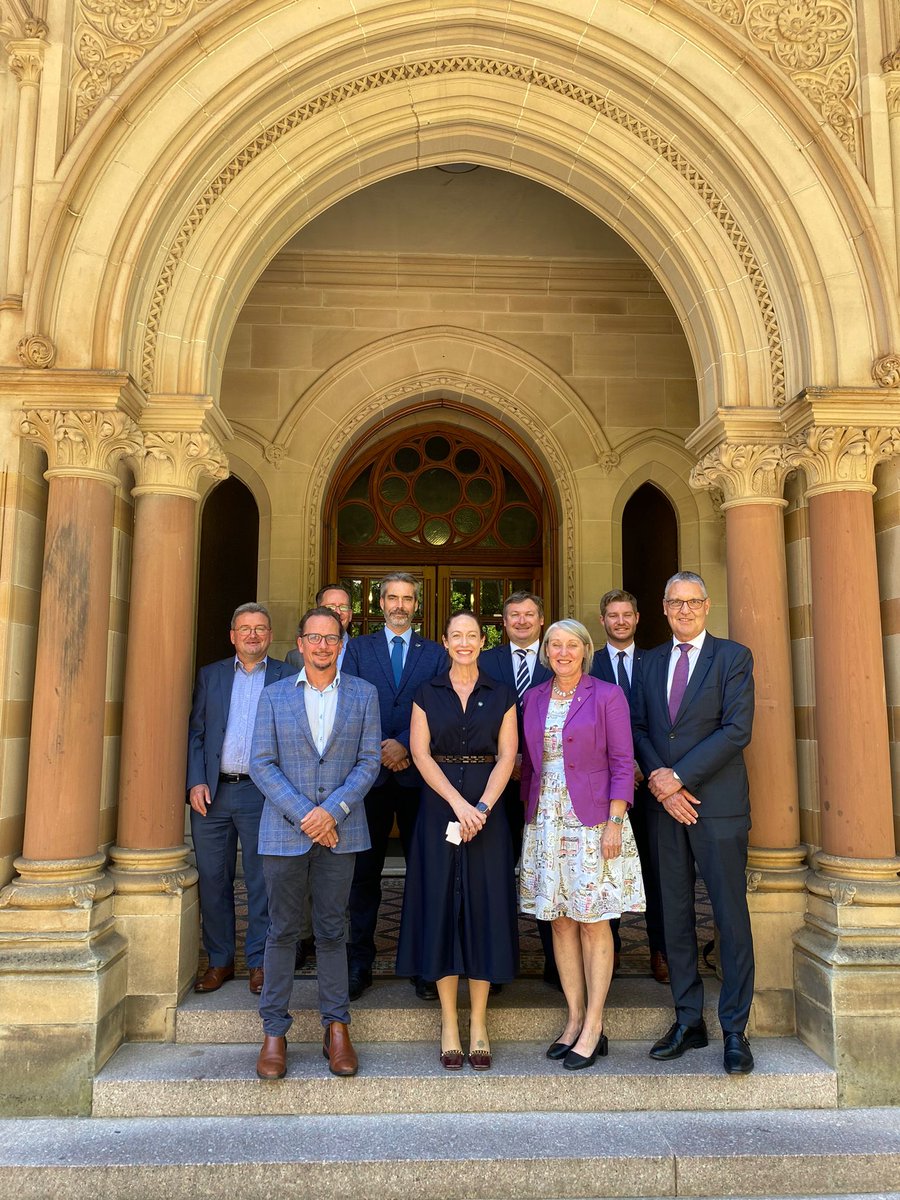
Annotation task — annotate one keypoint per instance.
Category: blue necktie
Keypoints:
(397, 658)
(622, 675)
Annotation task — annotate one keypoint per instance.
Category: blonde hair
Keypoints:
(573, 627)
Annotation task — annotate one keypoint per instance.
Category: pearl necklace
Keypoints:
(564, 695)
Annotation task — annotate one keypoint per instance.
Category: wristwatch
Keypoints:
(482, 807)
(617, 820)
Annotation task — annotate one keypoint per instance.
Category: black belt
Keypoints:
(465, 758)
(224, 777)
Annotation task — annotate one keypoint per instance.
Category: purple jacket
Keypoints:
(599, 757)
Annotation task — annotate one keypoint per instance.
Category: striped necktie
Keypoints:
(522, 677)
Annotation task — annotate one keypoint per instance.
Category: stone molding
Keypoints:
(80, 442)
(109, 38)
(840, 458)
(744, 474)
(529, 76)
(139, 872)
(777, 869)
(893, 98)
(172, 462)
(861, 881)
(814, 43)
(58, 883)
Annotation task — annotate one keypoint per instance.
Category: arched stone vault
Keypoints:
(751, 218)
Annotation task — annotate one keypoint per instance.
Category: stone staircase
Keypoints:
(190, 1118)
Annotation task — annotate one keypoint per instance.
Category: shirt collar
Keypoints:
(390, 635)
(696, 642)
(239, 665)
(614, 651)
(301, 678)
(532, 649)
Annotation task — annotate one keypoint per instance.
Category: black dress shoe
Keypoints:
(678, 1039)
(357, 983)
(559, 1050)
(738, 1059)
(425, 988)
(577, 1062)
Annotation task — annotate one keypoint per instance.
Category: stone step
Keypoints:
(526, 1010)
(152, 1080)
(451, 1157)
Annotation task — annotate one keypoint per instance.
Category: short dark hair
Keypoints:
(522, 597)
(319, 611)
(463, 612)
(251, 607)
(332, 587)
(616, 596)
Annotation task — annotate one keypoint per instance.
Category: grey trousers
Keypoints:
(326, 877)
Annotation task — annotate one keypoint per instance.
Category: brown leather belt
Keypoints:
(465, 758)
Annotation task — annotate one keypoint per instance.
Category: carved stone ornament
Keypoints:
(111, 36)
(35, 27)
(608, 462)
(743, 472)
(886, 371)
(26, 61)
(754, 879)
(37, 351)
(80, 441)
(814, 41)
(842, 893)
(842, 456)
(176, 460)
(274, 454)
(891, 62)
(893, 99)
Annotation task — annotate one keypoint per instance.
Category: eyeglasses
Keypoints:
(694, 604)
(330, 639)
(344, 608)
(259, 630)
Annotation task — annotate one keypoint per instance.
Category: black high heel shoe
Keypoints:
(577, 1062)
(559, 1050)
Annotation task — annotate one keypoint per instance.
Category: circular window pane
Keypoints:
(517, 526)
(479, 491)
(436, 490)
(467, 520)
(394, 489)
(356, 524)
(437, 449)
(437, 532)
(407, 459)
(467, 462)
(406, 519)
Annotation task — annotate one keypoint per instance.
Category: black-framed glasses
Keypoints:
(694, 604)
(330, 639)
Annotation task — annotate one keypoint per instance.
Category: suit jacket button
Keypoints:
(321, 760)
(671, 737)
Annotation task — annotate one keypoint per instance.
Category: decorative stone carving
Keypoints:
(842, 893)
(36, 28)
(886, 371)
(58, 883)
(37, 351)
(608, 462)
(754, 879)
(110, 37)
(743, 472)
(174, 461)
(838, 457)
(814, 41)
(891, 62)
(893, 99)
(529, 76)
(274, 453)
(26, 61)
(80, 441)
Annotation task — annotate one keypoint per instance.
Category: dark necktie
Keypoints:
(522, 677)
(397, 658)
(679, 681)
(622, 675)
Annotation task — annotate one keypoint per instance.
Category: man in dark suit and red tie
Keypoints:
(692, 718)
(397, 661)
(619, 661)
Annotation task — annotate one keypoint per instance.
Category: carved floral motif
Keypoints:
(842, 456)
(743, 472)
(77, 440)
(886, 371)
(36, 350)
(176, 460)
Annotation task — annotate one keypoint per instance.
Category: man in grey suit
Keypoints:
(316, 751)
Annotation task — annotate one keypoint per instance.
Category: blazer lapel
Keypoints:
(383, 658)
(606, 671)
(341, 714)
(699, 673)
(298, 702)
(412, 657)
(579, 704)
(225, 682)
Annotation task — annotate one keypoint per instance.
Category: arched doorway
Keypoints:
(450, 507)
(649, 557)
(228, 566)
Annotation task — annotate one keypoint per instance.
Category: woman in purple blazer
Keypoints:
(580, 865)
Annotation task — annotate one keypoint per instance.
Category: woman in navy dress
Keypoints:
(459, 902)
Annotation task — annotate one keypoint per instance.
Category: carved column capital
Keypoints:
(751, 473)
(891, 61)
(174, 461)
(893, 96)
(79, 441)
(26, 60)
(837, 458)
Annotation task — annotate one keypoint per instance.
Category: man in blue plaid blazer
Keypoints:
(316, 752)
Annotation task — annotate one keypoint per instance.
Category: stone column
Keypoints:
(747, 465)
(847, 957)
(891, 67)
(26, 60)
(61, 959)
(156, 888)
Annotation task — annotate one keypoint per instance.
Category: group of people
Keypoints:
(617, 774)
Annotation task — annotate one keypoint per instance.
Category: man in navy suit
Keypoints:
(225, 804)
(692, 717)
(397, 662)
(619, 661)
(518, 666)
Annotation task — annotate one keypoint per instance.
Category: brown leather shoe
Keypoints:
(338, 1049)
(256, 980)
(272, 1061)
(214, 977)
(659, 966)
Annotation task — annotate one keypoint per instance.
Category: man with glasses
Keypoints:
(397, 661)
(316, 750)
(692, 714)
(225, 803)
(336, 597)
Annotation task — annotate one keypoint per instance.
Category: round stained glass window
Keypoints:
(467, 462)
(436, 490)
(517, 526)
(356, 524)
(479, 491)
(407, 459)
(437, 449)
(467, 520)
(406, 519)
(437, 532)
(394, 489)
